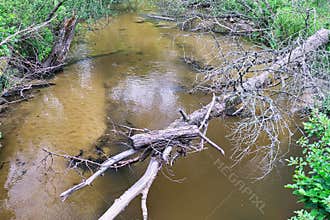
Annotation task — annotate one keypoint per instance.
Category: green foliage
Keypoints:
(325, 107)
(282, 20)
(285, 20)
(302, 215)
(35, 46)
(312, 171)
(302, 18)
(287, 23)
(17, 15)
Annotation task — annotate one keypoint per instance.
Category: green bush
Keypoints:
(302, 215)
(283, 20)
(19, 14)
(312, 170)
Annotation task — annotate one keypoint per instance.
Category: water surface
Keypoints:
(141, 82)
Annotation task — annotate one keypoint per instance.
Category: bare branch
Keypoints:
(103, 167)
(141, 186)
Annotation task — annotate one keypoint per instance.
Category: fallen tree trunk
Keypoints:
(154, 137)
(320, 38)
(185, 129)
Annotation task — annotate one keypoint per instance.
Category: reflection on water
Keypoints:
(85, 74)
(155, 91)
(142, 83)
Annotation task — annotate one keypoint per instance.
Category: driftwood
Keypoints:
(179, 130)
(182, 131)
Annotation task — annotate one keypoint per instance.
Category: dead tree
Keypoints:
(269, 87)
(188, 133)
(57, 57)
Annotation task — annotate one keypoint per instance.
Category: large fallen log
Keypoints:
(317, 40)
(155, 137)
(188, 128)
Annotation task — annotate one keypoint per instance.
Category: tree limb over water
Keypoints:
(187, 134)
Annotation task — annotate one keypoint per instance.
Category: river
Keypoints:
(139, 80)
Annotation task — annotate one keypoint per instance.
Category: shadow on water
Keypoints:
(142, 85)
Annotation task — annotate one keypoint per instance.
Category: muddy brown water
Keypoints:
(142, 82)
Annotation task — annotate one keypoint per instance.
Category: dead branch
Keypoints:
(26, 31)
(140, 187)
(52, 13)
(103, 167)
(66, 156)
(212, 143)
(208, 112)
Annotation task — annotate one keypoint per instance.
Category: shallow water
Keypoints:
(141, 81)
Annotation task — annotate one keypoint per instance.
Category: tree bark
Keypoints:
(62, 45)
(185, 132)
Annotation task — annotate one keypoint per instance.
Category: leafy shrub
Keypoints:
(312, 171)
(17, 15)
(302, 215)
(283, 20)
(35, 47)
